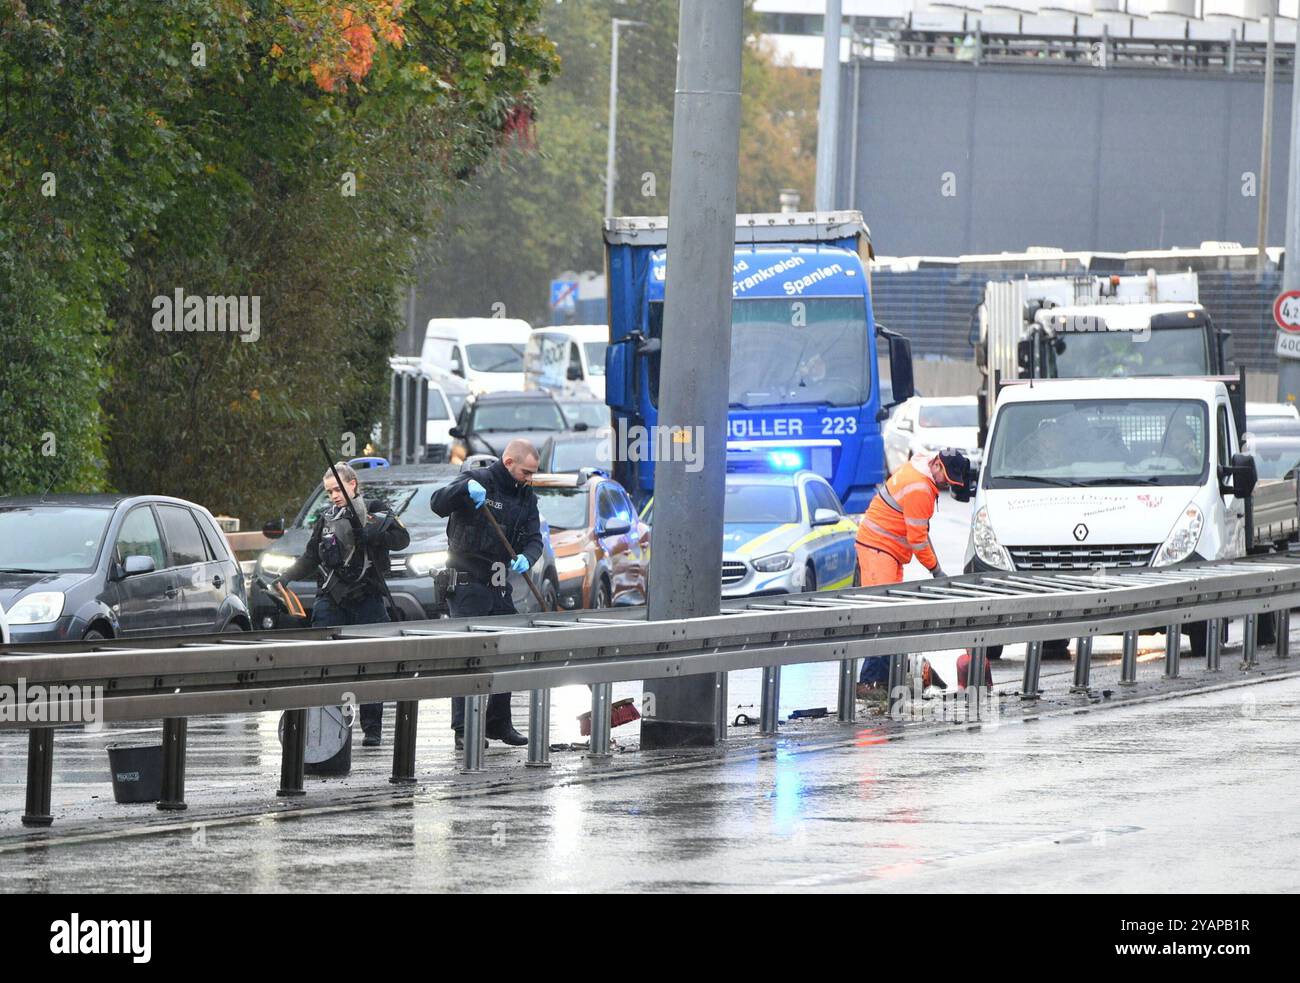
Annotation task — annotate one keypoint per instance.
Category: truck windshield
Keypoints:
(1086, 442)
(783, 352)
(811, 350)
(496, 357)
(1163, 351)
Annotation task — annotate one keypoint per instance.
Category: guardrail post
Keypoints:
(1249, 641)
(539, 729)
(1082, 663)
(1173, 644)
(40, 776)
(1283, 650)
(1033, 665)
(769, 711)
(720, 718)
(897, 684)
(848, 699)
(1213, 643)
(407, 720)
(173, 776)
(291, 754)
(975, 686)
(601, 695)
(475, 712)
(1128, 663)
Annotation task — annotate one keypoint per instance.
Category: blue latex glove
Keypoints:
(519, 564)
(476, 492)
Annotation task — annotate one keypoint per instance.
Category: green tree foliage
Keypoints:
(291, 150)
(537, 212)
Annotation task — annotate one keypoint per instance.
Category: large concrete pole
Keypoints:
(686, 563)
(1288, 374)
(828, 109)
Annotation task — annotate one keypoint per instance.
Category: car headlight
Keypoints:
(423, 564)
(987, 547)
(774, 562)
(275, 563)
(1182, 540)
(571, 566)
(40, 608)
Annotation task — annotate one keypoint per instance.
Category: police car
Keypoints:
(785, 534)
(782, 533)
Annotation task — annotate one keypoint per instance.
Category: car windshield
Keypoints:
(51, 538)
(760, 503)
(495, 357)
(587, 411)
(1101, 354)
(571, 456)
(809, 350)
(563, 508)
(1098, 442)
(1275, 457)
(533, 414)
(948, 415)
(399, 496)
(595, 357)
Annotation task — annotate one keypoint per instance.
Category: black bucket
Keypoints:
(137, 771)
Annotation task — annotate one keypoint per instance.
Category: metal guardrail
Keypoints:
(175, 678)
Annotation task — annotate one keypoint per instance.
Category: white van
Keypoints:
(567, 359)
(1089, 473)
(487, 352)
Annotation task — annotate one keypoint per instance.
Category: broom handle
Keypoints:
(506, 543)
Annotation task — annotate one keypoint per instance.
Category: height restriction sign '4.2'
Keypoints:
(1286, 312)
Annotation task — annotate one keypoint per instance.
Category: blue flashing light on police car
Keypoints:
(785, 460)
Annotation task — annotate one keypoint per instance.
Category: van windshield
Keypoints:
(495, 357)
(1082, 442)
(1162, 351)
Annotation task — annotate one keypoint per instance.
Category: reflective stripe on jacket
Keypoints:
(898, 519)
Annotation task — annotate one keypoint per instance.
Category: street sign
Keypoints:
(564, 296)
(1286, 311)
(1288, 345)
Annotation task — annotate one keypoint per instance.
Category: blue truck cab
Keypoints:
(805, 387)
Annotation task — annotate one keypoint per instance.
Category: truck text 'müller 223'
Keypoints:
(804, 388)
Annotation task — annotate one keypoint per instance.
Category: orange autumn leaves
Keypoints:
(343, 39)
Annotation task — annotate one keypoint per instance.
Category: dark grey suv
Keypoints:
(104, 566)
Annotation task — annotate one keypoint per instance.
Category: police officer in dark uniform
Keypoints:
(479, 564)
(349, 556)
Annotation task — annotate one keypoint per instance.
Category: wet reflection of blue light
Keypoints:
(787, 793)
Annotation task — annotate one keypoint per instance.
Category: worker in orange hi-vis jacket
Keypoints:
(896, 527)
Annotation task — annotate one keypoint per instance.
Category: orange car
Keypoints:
(602, 550)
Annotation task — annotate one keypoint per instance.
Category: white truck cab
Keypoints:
(1082, 473)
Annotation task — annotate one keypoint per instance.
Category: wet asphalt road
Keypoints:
(1193, 794)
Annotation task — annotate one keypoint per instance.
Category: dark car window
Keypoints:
(399, 496)
(563, 508)
(213, 538)
(139, 537)
(533, 414)
(760, 503)
(184, 541)
(571, 456)
(54, 537)
(606, 507)
(821, 496)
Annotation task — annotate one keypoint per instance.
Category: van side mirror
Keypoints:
(574, 374)
(274, 529)
(456, 432)
(1240, 477)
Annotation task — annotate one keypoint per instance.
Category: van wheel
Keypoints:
(94, 635)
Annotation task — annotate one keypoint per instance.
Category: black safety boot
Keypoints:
(373, 738)
(507, 735)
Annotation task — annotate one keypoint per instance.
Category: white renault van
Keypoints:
(487, 352)
(1087, 473)
(567, 359)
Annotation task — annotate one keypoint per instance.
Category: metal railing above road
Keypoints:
(176, 678)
